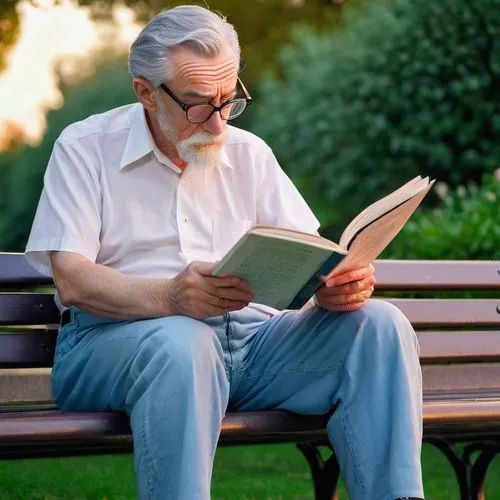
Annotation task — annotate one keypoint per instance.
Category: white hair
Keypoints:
(190, 26)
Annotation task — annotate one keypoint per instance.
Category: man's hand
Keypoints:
(347, 291)
(194, 292)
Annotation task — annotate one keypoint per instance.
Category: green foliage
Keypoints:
(412, 87)
(21, 171)
(465, 226)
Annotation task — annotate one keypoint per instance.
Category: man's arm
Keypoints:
(104, 292)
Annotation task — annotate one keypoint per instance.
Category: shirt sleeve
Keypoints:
(279, 202)
(68, 216)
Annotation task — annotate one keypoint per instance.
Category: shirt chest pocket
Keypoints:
(226, 232)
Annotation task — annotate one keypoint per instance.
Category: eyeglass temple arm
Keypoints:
(245, 91)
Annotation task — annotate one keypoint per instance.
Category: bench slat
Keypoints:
(15, 270)
(459, 346)
(455, 379)
(482, 379)
(31, 349)
(50, 425)
(40, 309)
(438, 381)
(45, 425)
(462, 420)
(433, 313)
(27, 349)
(437, 275)
(28, 309)
(35, 348)
(53, 424)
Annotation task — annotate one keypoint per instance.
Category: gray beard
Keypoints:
(201, 150)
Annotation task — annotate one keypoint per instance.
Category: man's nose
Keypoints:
(215, 124)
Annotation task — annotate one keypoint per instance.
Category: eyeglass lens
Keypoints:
(202, 112)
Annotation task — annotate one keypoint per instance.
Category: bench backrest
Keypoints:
(459, 337)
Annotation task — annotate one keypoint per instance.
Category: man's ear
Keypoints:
(145, 92)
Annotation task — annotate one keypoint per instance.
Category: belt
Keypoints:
(65, 317)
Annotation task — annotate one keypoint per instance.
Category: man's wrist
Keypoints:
(160, 300)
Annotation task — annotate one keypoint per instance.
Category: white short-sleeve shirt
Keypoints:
(111, 196)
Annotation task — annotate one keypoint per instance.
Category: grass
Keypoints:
(274, 472)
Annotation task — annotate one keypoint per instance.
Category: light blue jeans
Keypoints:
(176, 377)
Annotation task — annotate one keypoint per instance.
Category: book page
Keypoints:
(382, 206)
(276, 269)
(294, 235)
(375, 237)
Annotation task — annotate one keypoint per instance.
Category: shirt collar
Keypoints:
(140, 141)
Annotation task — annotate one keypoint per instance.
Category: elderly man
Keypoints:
(138, 204)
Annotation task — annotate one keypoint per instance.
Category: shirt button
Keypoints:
(185, 219)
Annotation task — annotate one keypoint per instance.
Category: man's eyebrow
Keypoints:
(202, 95)
(194, 93)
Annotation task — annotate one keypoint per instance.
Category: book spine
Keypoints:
(307, 291)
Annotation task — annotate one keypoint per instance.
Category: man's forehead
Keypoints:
(198, 74)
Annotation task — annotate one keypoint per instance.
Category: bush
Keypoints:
(411, 87)
(465, 226)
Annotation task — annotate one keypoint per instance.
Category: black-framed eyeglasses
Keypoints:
(200, 113)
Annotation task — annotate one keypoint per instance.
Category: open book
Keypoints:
(285, 267)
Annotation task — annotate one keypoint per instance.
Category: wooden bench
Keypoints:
(460, 356)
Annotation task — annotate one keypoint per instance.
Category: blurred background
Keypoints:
(355, 97)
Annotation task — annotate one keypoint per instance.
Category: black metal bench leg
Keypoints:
(325, 473)
(470, 474)
(488, 451)
(461, 466)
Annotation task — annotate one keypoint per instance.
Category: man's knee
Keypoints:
(384, 323)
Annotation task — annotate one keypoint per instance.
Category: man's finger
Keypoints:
(204, 268)
(212, 311)
(228, 281)
(340, 300)
(352, 287)
(349, 276)
(346, 298)
(227, 291)
(224, 303)
(347, 307)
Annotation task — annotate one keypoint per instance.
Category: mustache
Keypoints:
(205, 139)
